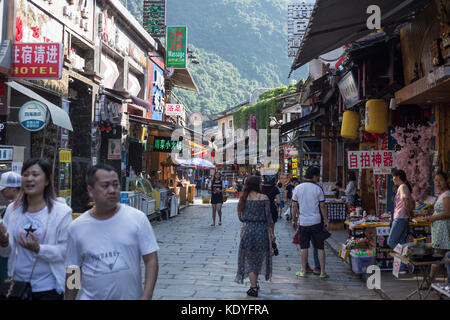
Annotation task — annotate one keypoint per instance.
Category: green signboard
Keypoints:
(176, 47)
(165, 144)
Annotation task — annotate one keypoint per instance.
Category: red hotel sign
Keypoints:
(37, 60)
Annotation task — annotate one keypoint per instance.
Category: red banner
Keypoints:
(37, 60)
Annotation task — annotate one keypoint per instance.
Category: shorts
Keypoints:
(311, 233)
(217, 198)
(281, 205)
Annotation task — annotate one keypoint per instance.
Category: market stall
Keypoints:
(368, 236)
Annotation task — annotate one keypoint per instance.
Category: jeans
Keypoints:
(399, 231)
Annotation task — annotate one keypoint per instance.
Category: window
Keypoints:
(230, 124)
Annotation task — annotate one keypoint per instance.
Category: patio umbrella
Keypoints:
(202, 163)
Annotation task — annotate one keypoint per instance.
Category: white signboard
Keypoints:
(175, 110)
(298, 19)
(379, 160)
(349, 90)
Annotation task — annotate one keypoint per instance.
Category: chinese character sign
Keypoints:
(154, 15)
(176, 39)
(165, 144)
(37, 60)
(174, 110)
(380, 160)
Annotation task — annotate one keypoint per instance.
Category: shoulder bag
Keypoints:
(11, 289)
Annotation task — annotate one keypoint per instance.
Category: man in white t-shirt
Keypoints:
(309, 199)
(107, 243)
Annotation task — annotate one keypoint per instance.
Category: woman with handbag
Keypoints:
(254, 257)
(34, 237)
(217, 188)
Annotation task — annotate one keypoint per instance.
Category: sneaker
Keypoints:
(316, 271)
(309, 270)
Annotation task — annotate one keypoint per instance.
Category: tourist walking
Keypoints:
(282, 199)
(34, 233)
(216, 187)
(254, 257)
(271, 191)
(440, 221)
(309, 214)
(107, 243)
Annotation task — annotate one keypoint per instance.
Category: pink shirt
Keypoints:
(400, 210)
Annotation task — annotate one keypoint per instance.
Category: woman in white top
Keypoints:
(350, 190)
(34, 233)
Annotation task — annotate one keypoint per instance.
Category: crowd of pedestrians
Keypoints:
(107, 245)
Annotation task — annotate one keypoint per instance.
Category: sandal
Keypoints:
(301, 275)
(253, 292)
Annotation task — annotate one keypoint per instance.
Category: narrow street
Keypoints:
(197, 261)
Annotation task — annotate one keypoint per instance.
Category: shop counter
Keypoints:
(376, 234)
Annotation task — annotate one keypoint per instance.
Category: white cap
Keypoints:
(10, 179)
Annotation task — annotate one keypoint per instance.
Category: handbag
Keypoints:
(325, 233)
(11, 289)
(296, 238)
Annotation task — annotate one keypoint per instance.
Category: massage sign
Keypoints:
(37, 60)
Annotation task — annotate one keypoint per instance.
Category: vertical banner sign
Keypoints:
(64, 132)
(37, 60)
(176, 42)
(65, 175)
(154, 17)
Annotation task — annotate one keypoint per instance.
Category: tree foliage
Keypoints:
(241, 46)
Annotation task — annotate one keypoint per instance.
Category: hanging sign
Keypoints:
(154, 17)
(380, 160)
(33, 116)
(65, 175)
(176, 40)
(37, 60)
(347, 87)
(165, 144)
(175, 110)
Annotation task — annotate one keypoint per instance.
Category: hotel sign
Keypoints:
(37, 61)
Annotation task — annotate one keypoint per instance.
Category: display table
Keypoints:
(424, 267)
(377, 234)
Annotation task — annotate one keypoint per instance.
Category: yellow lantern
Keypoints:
(350, 125)
(376, 116)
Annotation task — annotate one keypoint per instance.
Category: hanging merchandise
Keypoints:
(350, 125)
(376, 116)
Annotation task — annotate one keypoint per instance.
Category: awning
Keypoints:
(59, 116)
(140, 102)
(296, 124)
(160, 125)
(335, 23)
(433, 88)
(183, 78)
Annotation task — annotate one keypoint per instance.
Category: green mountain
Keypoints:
(241, 45)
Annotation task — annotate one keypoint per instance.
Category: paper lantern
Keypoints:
(350, 125)
(376, 116)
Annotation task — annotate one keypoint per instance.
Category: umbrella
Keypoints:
(198, 162)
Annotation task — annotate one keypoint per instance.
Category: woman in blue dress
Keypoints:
(254, 257)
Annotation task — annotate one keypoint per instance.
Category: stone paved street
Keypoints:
(197, 261)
